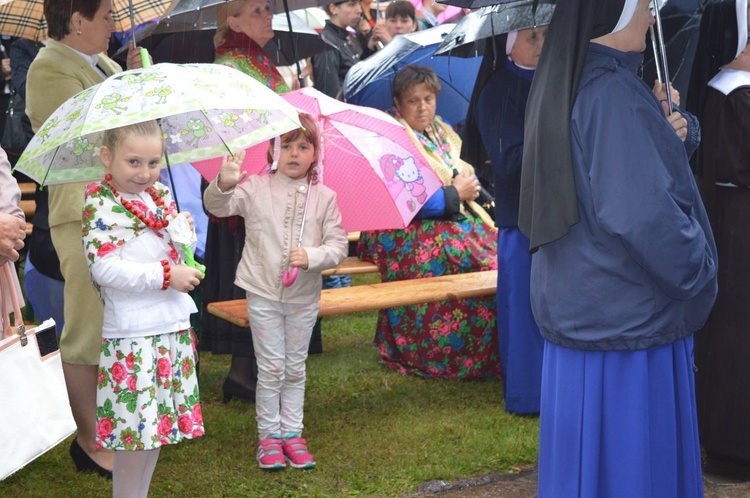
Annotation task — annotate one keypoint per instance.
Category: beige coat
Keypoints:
(57, 74)
(272, 207)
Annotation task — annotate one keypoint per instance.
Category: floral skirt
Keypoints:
(445, 339)
(147, 392)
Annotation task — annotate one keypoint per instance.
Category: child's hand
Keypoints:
(189, 218)
(184, 278)
(231, 173)
(298, 257)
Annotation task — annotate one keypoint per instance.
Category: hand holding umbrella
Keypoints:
(298, 256)
(181, 232)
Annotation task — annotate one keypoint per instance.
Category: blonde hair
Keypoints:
(114, 137)
(308, 132)
(223, 12)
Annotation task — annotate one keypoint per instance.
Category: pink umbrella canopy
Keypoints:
(380, 177)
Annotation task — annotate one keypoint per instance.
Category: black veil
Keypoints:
(549, 204)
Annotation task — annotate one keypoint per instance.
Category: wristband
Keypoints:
(167, 275)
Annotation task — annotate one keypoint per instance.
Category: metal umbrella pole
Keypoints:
(289, 276)
(662, 55)
(654, 41)
(300, 77)
(145, 61)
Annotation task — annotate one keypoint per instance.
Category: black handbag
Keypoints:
(14, 139)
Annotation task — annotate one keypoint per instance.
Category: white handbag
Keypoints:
(35, 411)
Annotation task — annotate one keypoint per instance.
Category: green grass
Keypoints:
(373, 432)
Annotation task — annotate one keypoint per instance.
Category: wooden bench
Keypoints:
(382, 295)
(27, 188)
(29, 208)
(28, 205)
(352, 266)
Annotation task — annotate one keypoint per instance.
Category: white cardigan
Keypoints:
(130, 279)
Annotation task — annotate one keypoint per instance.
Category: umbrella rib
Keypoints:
(203, 111)
(52, 161)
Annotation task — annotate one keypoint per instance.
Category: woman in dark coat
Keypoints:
(723, 347)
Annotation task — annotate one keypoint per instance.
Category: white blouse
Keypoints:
(130, 280)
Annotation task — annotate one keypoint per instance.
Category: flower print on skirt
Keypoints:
(147, 392)
(444, 339)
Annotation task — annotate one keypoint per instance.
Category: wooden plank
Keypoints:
(27, 188)
(352, 266)
(29, 208)
(29, 228)
(383, 295)
(352, 236)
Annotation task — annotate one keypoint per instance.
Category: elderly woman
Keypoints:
(73, 60)
(451, 234)
(243, 28)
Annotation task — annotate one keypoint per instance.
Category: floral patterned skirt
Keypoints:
(147, 392)
(445, 339)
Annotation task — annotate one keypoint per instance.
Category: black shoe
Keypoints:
(233, 389)
(84, 463)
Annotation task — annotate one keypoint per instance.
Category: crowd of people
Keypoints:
(603, 248)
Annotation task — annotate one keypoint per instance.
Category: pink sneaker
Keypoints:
(270, 453)
(295, 451)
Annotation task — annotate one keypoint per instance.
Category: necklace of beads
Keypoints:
(159, 220)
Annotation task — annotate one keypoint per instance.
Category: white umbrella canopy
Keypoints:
(205, 111)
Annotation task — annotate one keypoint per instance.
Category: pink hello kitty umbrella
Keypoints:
(380, 177)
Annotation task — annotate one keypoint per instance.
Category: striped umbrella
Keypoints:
(25, 18)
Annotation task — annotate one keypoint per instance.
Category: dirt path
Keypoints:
(523, 485)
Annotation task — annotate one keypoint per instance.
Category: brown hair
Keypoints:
(401, 8)
(113, 138)
(412, 75)
(327, 7)
(59, 13)
(309, 132)
(223, 11)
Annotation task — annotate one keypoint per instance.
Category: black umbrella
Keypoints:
(474, 4)
(681, 25)
(293, 39)
(465, 40)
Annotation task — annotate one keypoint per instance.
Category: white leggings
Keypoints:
(132, 473)
(281, 337)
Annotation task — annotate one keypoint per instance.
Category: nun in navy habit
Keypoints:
(624, 268)
(496, 119)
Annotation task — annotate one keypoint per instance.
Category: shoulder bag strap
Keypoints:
(8, 291)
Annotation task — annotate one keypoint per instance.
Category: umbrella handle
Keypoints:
(145, 61)
(289, 276)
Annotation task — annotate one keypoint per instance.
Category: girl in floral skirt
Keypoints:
(147, 392)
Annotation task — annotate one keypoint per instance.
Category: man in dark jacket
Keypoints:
(343, 51)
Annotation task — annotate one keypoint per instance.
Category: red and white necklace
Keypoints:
(159, 220)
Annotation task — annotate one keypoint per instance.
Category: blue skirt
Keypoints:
(619, 423)
(521, 344)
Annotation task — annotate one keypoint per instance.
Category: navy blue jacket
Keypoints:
(639, 269)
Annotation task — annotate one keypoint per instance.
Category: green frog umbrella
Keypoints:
(205, 111)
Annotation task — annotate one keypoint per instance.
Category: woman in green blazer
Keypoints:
(73, 59)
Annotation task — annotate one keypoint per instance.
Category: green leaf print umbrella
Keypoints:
(205, 111)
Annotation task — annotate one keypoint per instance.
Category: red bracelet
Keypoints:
(166, 268)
